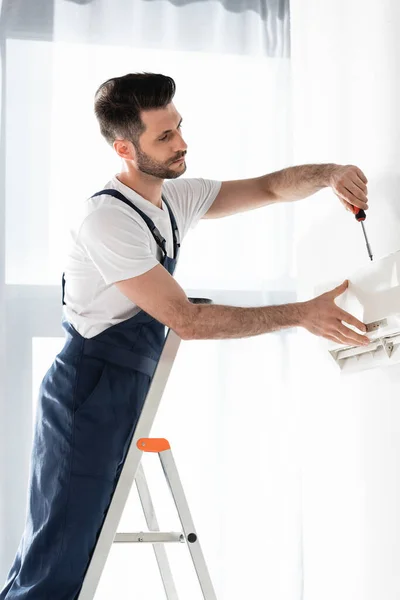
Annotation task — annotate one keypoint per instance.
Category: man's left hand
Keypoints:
(350, 186)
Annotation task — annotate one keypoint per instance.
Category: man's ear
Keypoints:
(125, 149)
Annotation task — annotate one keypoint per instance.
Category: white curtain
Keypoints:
(345, 63)
(229, 409)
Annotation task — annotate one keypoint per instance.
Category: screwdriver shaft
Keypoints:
(366, 240)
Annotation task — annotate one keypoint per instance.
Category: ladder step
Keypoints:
(149, 537)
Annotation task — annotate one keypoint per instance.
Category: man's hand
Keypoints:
(322, 316)
(350, 186)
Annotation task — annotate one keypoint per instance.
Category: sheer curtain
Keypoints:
(229, 409)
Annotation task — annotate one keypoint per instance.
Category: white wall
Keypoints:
(345, 56)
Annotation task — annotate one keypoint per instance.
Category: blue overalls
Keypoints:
(89, 404)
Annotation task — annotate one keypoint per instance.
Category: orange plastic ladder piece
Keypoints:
(153, 444)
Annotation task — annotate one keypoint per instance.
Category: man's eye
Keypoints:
(165, 136)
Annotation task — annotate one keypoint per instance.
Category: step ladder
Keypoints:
(133, 471)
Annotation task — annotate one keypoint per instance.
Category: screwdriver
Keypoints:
(361, 216)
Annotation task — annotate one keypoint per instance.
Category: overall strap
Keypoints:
(175, 230)
(161, 242)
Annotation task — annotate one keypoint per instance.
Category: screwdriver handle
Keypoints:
(360, 214)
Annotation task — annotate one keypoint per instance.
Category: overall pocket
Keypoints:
(91, 378)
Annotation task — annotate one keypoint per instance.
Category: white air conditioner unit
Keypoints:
(373, 297)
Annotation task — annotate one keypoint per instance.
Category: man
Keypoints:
(119, 294)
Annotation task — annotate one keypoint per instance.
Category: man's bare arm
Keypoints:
(158, 294)
(348, 182)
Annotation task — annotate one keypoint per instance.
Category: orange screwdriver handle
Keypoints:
(359, 213)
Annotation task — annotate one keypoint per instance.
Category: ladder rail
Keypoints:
(152, 524)
(182, 507)
(130, 467)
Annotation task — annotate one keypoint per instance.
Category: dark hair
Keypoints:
(119, 101)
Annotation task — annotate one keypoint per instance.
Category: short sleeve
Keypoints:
(117, 244)
(192, 198)
(204, 193)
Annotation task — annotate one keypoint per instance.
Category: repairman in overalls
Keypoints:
(119, 296)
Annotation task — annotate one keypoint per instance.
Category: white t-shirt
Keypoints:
(111, 242)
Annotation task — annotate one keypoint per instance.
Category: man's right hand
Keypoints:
(322, 316)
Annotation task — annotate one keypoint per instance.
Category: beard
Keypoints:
(148, 165)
